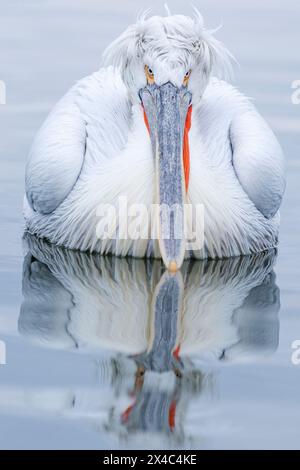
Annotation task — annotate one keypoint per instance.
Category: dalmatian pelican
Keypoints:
(156, 125)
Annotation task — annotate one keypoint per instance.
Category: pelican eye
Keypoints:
(140, 371)
(187, 77)
(149, 75)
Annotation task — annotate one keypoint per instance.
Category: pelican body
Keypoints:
(155, 126)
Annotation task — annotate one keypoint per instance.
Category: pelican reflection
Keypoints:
(161, 330)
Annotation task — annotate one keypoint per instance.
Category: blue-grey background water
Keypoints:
(71, 382)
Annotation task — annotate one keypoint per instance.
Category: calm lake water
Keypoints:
(89, 342)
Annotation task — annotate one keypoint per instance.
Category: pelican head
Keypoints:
(166, 63)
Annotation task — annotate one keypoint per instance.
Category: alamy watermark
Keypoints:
(2, 92)
(124, 221)
(2, 353)
(296, 94)
(295, 358)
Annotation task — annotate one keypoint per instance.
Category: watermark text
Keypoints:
(296, 94)
(2, 353)
(2, 92)
(295, 358)
(124, 221)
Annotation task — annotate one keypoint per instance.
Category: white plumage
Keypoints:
(95, 148)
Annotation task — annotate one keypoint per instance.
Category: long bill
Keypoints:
(166, 114)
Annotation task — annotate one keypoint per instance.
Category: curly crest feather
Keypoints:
(173, 39)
